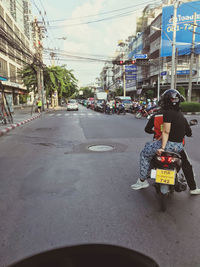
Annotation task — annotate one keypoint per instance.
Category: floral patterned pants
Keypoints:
(149, 151)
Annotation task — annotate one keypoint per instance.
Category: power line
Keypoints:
(78, 57)
(103, 13)
(75, 53)
(99, 20)
(50, 35)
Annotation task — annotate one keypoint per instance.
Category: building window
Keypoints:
(12, 73)
(19, 79)
(3, 68)
(3, 47)
(2, 24)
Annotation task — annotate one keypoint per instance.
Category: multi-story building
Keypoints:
(15, 44)
(156, 77)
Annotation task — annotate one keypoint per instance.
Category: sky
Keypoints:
(92, 29)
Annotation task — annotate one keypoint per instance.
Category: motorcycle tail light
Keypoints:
(170, 159)
(162, 159)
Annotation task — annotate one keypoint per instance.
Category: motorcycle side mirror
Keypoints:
(193, 122)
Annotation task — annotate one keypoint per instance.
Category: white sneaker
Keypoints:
(139, 185)
(195, 191)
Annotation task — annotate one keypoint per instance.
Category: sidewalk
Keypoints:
(22, 115)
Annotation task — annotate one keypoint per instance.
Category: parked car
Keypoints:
(85, 103)
(72, 104)
(98, 106)
(90, 101)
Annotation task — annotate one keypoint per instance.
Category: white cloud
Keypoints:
(95, 38)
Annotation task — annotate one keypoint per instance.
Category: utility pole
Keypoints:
(158, 88)
(124, 80)
(122, 45)
(189, 96)
(174, 43)
(54, 97)
(37, 32)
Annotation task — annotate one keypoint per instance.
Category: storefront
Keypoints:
(12, 92)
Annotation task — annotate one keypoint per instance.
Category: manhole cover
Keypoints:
(100, 148)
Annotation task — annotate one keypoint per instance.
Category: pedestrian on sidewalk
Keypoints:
(47, 104)
(39, 105)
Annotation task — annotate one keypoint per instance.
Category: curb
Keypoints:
(192, 113)
(13, 126)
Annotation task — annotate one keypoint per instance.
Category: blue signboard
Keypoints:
(185, 21)
(130, 84)
(131, 72)
(163, 73)
(185, 72)
(143, 56)
(3, 78)
(130, 68)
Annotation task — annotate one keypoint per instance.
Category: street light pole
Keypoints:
(174, 44)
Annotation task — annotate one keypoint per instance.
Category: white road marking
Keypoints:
(86, 115)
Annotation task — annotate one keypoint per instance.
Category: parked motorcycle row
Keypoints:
(122, 105)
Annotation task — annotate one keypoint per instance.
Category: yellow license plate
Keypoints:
(165, 176)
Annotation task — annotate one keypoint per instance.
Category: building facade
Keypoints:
(15, 45)
(156, 77)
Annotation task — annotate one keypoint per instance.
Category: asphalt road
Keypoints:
(54, 192)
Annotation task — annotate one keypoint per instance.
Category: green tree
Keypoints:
(87, 92)
(60, 79)
(181, 90)
(56, 78)
(119, 91)
(150, 94)
(29, 77)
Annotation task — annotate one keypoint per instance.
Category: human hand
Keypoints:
(159, 151)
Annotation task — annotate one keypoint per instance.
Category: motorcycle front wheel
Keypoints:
(138, 115)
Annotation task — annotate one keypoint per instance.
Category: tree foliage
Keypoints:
(56, 78)
(87, 92)
(29, 77)
(119, 91)
(60, 79)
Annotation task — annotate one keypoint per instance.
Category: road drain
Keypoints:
(100, 148)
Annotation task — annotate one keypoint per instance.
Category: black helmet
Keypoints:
(171, 98)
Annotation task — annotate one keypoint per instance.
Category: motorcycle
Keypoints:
(108, 110)
(121, 109)
(89, 255)
(141, 113)
(144, 113)
(152, 111)
(165, 171)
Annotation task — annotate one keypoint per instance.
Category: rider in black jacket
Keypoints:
(154, 126)
(173, 131)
